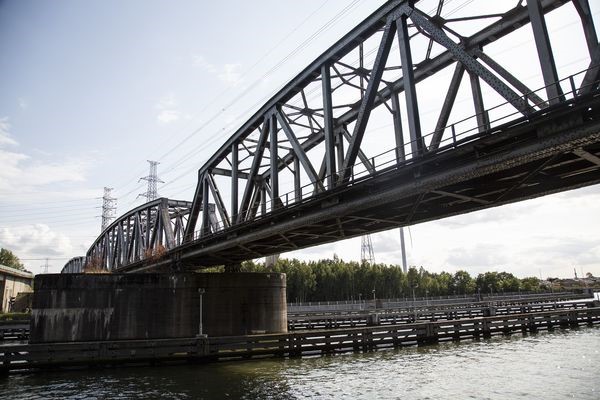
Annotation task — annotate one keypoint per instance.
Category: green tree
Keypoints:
(530, 284)
(463, 282)
(7, 258)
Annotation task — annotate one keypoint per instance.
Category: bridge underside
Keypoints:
(554, 150)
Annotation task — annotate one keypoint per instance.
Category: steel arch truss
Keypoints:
(311, 137)
(74, 266)
(144, 234)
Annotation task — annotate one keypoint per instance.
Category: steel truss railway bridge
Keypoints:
(309, 167)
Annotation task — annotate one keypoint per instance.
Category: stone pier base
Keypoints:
(88, 307)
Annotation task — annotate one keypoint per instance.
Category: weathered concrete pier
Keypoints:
(97, 307)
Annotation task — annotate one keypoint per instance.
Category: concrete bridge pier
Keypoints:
(98, 307)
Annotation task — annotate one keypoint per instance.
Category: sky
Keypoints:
(92, 90)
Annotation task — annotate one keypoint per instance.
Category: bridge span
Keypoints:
(309, 167)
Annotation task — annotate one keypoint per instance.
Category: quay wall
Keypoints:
(95, 307)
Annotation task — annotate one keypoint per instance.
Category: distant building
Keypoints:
(13, 282)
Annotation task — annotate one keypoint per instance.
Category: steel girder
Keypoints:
(144, 234)
(553, 150)
(297, 146)
(75, 265)
(298, 172)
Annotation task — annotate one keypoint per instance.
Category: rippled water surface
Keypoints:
(555, 365)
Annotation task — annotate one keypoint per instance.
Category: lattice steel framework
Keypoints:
(308, 168)
(109, 205)
(153, 180)
(318, 145)
(74, 265)
(142, 235)
(367, 255)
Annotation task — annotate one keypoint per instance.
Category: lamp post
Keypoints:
(200, 332)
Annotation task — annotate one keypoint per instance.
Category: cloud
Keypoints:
(36, 241)
(200, 62)
(168, 110)
(19, 173)
(229, 74)
(482, 256)
(22, 103)
(5, 138)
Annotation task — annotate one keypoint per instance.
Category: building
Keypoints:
(13, 282)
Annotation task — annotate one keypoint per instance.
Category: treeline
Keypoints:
(335, 279)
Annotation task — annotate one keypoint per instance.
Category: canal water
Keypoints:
(548, 365)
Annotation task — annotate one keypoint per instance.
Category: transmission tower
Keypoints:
(152, 179)
(366, 250)
(109, 205)
(44, 267)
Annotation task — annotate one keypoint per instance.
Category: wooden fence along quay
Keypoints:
(508, 319)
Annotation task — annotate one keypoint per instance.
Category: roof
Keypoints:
(4, 270)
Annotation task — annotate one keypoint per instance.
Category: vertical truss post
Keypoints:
(274, 162)
(205, 208)
(328, 127)
(412, 107)
(263, 199)
(166, 223)
(297, 185)
(339, 147)
(483, 123)
(546, 58)
(397, 119)
(234, 182)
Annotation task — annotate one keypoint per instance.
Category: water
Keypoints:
(548, 365)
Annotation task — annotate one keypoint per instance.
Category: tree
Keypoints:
(8, 259)
(530, 284)
(463, 282)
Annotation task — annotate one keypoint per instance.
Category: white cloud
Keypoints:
(166, 116)
(22, 103)
(5, 138)
(200, 62)
(231, 75)
(20, 173)
(168, 110)
(36, 241)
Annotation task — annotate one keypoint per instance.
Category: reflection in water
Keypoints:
(557, 365)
